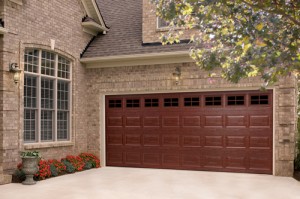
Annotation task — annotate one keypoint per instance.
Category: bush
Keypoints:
(70, 164)
(88, 165)
(20, 175)
(53, 170)
(44, 170)
(76, 161)
(60, 167)
(87, 157)
(69, 167)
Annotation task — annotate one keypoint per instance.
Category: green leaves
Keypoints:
(244, 38)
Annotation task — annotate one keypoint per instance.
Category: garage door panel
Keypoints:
(151, 140)
(236, 141)
(191, 159)
(171, 160)
(215, 121)
(191, 121)
(114, 139)
(236, 159)
(236, 121)
(151, 159)
(215, 131)
(260, 121)
(235, 162)
(114, 121)
(260, 142)
(213, 141)
(114, 158)
(151, 121)
(133, 122)
(168, 121)
(212, 160)
(170, 140)
(260, 160)
(132, 140)
(191, 141)
(133, 158)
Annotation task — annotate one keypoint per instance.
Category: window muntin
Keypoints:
(47, 87)
(132, 103)
(259, 100)
(48, 63)
(171, 102)
(235, 100)
(31, 60)
(63, 68)
(115, 103)
(192, 101)
(152, 102)
(213, 101)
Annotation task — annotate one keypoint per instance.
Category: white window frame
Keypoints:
(55, 78)
(158, 24)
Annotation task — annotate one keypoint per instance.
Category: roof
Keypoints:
(124, 19)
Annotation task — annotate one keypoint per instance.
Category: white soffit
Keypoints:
(92, 11)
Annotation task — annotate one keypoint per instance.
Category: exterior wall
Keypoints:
(33, 24)
(1, 96)
(158, 78)
(150, 31)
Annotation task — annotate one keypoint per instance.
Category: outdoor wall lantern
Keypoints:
(14, 68)
(177, 75)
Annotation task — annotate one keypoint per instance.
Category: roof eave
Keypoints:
(137, 59)
(93, 28)
(93, 11)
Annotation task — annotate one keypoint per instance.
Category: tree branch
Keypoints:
(276, 11)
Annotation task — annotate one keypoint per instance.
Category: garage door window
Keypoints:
(192, 101)
(151, 102)
(259, 100)
(213, 101)
(132, 103)
(171, 102)
(115, 104)
(235, 100)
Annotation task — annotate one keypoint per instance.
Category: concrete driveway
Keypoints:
(132, 183)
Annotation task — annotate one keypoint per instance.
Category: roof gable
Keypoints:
(93, 23)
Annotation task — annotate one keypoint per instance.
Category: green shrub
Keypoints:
(69, 167)
(20, 175)
(53, 170)
(88, 165)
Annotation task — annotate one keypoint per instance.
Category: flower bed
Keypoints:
(53, 167)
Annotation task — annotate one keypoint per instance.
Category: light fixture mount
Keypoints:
(14, 68)
(177, 74)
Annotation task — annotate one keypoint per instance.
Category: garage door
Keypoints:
(215, 131)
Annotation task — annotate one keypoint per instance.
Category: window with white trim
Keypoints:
(47, 87)
(161, 23)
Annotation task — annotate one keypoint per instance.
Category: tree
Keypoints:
(245, 38)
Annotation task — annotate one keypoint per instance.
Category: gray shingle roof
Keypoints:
(124, 18)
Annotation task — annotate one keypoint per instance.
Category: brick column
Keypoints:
(285, 125)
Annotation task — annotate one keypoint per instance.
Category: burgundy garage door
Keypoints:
(217, 131)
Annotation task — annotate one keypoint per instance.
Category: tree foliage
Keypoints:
(245, 38)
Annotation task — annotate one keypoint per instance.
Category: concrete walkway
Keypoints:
(131, 183)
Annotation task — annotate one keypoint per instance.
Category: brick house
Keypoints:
(95, 78)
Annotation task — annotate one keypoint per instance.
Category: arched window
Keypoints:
(47, 103)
